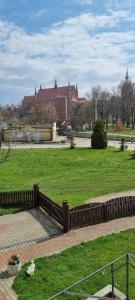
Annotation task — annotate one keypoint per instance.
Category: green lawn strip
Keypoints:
(11, 210)
(73, 175)
(55, 273)
(125, 131)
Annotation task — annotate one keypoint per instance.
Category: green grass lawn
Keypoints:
(11, 210)
(73, 175)
(55, 273)
(111, 131)
(128, 134)
(125, 131)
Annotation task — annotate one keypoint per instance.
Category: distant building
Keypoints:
(61, 98)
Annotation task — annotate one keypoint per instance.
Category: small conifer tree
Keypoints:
(99, 136)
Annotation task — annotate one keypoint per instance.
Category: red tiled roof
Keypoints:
(28, 99)
(51, 93)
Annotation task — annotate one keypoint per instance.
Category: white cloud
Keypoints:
(88, 49)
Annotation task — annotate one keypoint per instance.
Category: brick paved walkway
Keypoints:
(23, 227)
(57, 244)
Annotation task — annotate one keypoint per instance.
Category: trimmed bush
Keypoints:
(99, 136)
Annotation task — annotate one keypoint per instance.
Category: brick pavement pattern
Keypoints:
(57, 244)
(24, 227)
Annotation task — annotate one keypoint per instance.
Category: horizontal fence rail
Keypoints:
(85, 206)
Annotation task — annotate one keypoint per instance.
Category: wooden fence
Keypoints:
(34, 198)
(93, 213)
(87, 214)
(23, 198)
(51, 207)
(82, 215)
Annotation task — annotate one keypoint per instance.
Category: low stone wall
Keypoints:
(29, 134)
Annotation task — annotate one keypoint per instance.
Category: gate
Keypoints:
(51, 207)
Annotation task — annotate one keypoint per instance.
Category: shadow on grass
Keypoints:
(132, 156)
(116, 151)
(77, 148)
(83, 149)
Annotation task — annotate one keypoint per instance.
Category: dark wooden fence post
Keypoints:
(66, 225)
(105, 212)
(36, 194)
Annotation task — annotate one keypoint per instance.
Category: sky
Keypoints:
(88, 42)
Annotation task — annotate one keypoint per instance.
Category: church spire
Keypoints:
(35, 90)
(55, 84)
(40, 87)
(76, 88)
(69, 83)
(127, 76)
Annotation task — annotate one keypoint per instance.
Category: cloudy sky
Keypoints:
(87, 42)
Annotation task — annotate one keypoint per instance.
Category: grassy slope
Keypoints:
(59, 271)
(72, 175)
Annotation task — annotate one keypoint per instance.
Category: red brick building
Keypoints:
(59, 98)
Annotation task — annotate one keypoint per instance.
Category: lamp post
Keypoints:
(66, 109)
(95, 110)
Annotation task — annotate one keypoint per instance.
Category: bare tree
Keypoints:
(4, 148)
(75, 115)
(100, 98)
(94, 96)
(104, 106)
